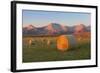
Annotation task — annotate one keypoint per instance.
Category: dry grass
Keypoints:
(39, 51)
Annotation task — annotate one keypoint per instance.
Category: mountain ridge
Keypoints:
(54, 29)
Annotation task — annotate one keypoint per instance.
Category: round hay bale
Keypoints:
(65, 42)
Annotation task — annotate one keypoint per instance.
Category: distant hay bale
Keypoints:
(65, 42)
(30, 42)
(83, 36)
(48, 42)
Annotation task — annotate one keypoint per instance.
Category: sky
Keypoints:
(42, 18)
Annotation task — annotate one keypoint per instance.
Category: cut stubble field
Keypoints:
(41, 52)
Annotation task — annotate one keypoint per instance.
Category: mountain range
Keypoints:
(55, 29)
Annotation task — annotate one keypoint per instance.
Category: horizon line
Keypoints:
(56, 23)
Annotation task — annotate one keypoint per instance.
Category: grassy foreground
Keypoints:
(42, 53)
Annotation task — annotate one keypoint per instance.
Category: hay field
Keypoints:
(43, 48)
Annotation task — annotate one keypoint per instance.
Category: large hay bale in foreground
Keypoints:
(65, 42)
